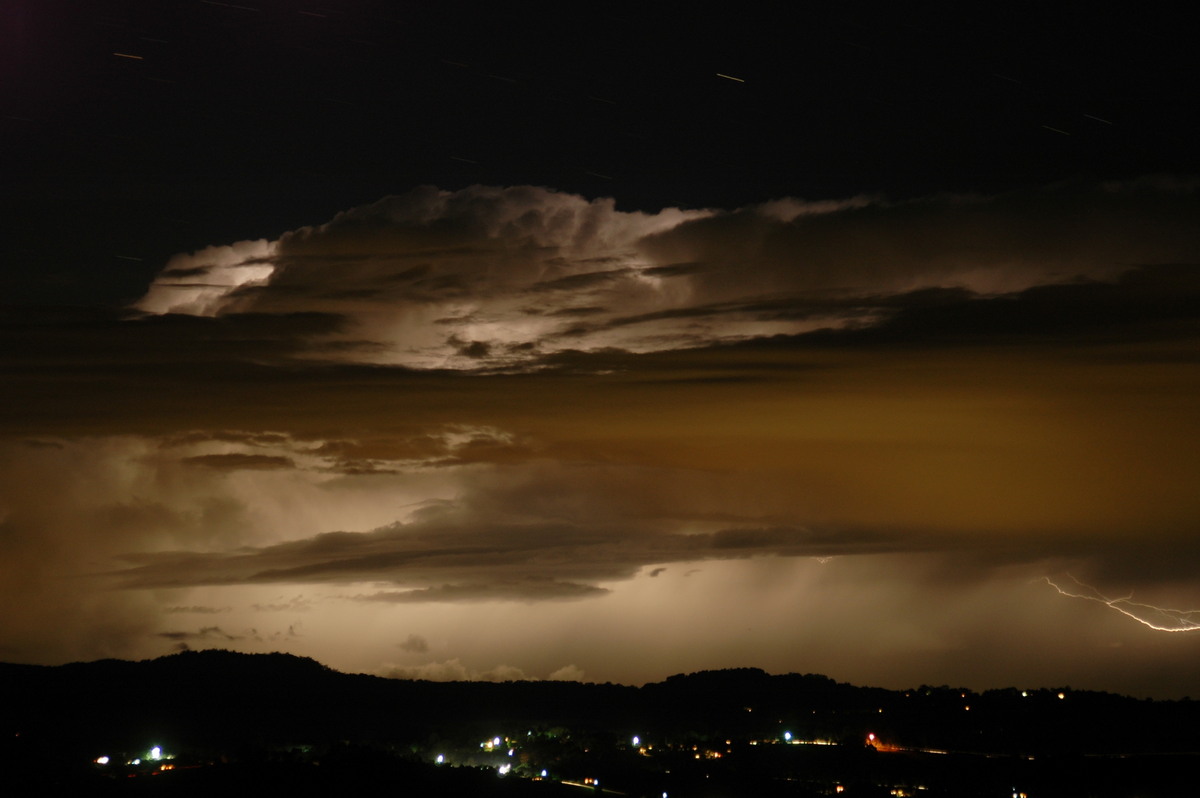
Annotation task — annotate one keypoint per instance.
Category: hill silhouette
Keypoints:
(217, 697)
(222, 706)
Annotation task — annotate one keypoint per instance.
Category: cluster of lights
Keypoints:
(155, 754)
(791, 739)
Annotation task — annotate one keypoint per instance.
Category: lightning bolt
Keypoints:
(1160, 619)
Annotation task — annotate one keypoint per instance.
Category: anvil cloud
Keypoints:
(500, 277)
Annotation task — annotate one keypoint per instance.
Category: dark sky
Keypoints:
(604, 341)
(242, 120)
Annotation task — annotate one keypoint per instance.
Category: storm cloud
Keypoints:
(490, 423)
(499, 277)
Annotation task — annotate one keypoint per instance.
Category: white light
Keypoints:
(505, 768)
(512, 751)
(544, 774)
(156, 753)
(495, 741)
(787, 736)
(101, 760)
(440, 759)
(136, 762)
(636, 741)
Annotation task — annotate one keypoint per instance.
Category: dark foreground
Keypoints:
(216, 723)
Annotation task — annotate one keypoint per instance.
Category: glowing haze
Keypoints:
(516, 433)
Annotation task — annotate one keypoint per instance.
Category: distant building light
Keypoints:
(136, 762)
(636, 741)
(507, 766)
(441, 758)
(1061, 696)
(512, 751)
(496, 741)
(101, 760)
(787, 736)
(156, 753)
(544, 774)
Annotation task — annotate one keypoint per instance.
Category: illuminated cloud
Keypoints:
(238, 461)
(567, 673)
(535, 532)
(198, 283)
(205, 633)
(294, 604)
(515, 426)
(414, 644)
(454, 670)
(501, 277)
(527, 589)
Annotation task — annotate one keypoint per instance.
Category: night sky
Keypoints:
(604, 341)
